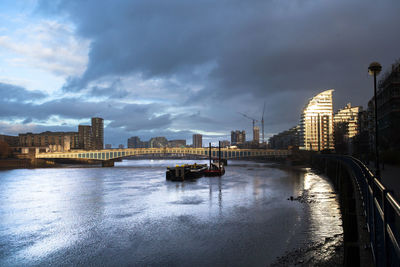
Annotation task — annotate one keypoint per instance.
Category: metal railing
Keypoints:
(381, 210)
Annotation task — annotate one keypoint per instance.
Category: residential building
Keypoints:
(225, 143)
(388, 102)
(177, 143)
(12, 141)
(97, 133)
(92, 137)
(85, 137)
(350, 116)
(316, 125)
(197, 140)
(286, 140)
(56, 141)
(346, 127)
(238, 137)
(134, 142)
(157, 142)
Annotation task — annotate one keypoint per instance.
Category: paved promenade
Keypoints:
(390, 178)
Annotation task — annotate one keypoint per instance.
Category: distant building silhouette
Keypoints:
(285, 140)
(157, 142)
(197, 140)
(97, 133)
(134, 142)
(177, 143)
(225, 143)
(12, 141)
(85, 137)
(92, 137)
(238, 137)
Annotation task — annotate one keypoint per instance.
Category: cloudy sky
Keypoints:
(174, 68)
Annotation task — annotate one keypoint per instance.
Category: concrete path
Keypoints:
(390, 178)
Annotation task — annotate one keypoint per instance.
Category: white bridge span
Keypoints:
(109, 154)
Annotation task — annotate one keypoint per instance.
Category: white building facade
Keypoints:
(316, 125)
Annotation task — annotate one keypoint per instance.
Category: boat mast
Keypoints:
(219, 155)
(210, 154)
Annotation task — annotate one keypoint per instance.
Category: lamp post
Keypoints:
(374, 69)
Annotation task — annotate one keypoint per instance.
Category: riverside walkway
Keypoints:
(390, 175)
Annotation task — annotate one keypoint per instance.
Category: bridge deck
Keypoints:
(108, 154)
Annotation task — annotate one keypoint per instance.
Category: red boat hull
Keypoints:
(214, 172)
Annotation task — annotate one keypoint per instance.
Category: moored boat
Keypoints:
(216, 168)
(185, 172)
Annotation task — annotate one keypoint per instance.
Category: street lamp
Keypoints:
(374, 69)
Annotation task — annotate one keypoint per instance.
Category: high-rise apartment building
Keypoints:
(97, 133)
(85, 137)
(197, 140)
(316, 125)
(256, 134)
(92, 137)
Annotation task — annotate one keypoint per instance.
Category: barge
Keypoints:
(185, 172)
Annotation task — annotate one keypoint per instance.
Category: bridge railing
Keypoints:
(381, 210)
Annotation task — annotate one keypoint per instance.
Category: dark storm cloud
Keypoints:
(283, 52)
(13, 93)
(261, 46)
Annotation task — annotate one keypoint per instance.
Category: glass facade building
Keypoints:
(316, 125)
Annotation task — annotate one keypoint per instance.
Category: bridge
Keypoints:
(109, 155)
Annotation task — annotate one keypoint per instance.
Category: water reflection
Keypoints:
(324, 207)
(130, 214)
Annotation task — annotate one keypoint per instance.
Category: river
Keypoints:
(130, 215)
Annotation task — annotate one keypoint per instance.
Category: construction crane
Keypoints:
(262, 123)
(247, 117)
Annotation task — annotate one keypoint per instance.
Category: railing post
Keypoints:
(386, 220)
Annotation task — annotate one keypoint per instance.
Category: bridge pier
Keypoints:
(107, 163)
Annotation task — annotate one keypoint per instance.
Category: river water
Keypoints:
(130, 215)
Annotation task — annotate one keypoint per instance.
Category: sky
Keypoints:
(174, 68)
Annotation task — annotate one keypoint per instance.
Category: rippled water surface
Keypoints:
(130, 215)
